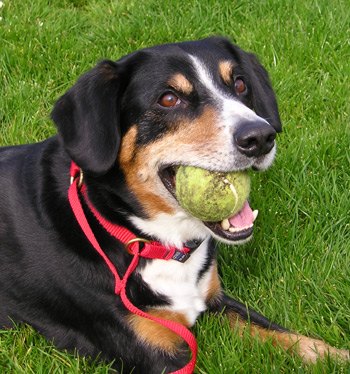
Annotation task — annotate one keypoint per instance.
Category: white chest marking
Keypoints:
(179, 282)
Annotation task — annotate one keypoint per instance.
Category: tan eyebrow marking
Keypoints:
(226, 70)
(180, 83)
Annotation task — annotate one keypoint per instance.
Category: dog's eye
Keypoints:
(240, 86)
(169, 100)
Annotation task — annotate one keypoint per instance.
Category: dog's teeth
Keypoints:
(237, 229)
(225, 224)
(234, 229)
(255, 214)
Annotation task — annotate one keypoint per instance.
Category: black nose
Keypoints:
(254, 139)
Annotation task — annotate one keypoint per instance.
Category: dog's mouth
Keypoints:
(237, 228)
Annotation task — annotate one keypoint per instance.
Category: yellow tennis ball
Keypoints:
(211, 196)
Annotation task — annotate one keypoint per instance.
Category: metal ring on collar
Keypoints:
(81, 178)
(132, 241)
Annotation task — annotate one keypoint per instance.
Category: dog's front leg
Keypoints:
(243, 319)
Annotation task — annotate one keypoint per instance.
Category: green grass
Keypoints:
(296, 270)
(23, 351)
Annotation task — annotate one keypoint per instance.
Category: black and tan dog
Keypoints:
(128, 125)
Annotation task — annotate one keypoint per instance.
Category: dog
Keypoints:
(124, 128)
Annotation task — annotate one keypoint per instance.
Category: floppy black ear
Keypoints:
(263, 97)
(87, 118)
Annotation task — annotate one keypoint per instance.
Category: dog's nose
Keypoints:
(254, 139)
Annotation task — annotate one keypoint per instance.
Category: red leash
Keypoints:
(151, 250)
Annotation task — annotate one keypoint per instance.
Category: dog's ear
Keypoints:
(87, 118)
(263, 97)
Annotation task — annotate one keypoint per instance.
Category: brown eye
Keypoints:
(169, 100)
(240, 86)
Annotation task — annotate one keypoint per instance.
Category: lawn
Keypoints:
(296, 270)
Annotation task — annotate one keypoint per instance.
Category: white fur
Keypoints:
(172, 229)
(177, 228)
(179, 282)
(266, 161)
(232, 112)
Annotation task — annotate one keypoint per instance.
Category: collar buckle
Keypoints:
(190, 246)
(181, 256)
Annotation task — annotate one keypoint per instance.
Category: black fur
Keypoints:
(50, 276)
(88, 116)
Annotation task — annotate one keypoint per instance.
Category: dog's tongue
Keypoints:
(243, 218)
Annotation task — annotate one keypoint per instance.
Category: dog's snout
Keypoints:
(254, 139)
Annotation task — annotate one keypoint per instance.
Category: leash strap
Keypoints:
(120, 283)
(150, 249)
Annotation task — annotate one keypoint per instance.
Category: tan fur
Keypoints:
(226, 71)
(156, 335)
(138, 177)
(199, 132)
(141, 164)
(180, 83)
(214, 289)
(307, 348)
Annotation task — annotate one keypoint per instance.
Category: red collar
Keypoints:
(146, 248)
(150, 250)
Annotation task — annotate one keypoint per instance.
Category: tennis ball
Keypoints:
(211, 196)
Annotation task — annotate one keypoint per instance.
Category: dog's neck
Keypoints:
(172, 229)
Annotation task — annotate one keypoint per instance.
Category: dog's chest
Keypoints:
(182, 283)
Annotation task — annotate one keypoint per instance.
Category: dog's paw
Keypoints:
(312, 349)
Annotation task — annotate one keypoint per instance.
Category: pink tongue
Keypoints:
(243, 218)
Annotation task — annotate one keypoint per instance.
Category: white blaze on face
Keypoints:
(206, 141)
(232, 110)
(231, 114)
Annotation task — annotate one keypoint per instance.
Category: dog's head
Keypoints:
(205, 103)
